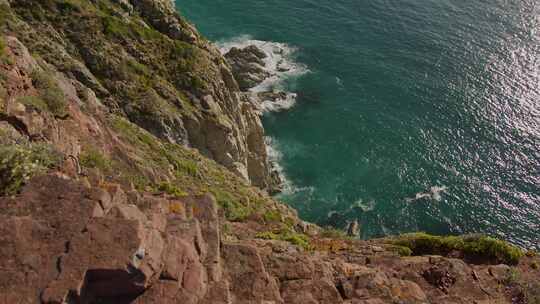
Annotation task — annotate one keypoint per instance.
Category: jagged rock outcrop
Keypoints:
(248, 66)
(66, 242)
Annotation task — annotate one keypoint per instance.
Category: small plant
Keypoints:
(95, 159)
(51, 96)
(333, 233)
(512, 278)
(234, 210)
(287, 235)
(226, 228)
(4, 57)
(33, 101)
(18, 163)
(272, 216)
(171, 190)
(402, 250)
(534, 265)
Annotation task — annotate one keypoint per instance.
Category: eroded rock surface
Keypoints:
(66, 242)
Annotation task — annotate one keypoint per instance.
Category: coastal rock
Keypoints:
(120, 130)
(248, 66)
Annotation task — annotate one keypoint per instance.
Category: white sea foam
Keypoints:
(364, 206)
(434, 193)
(279, 63)
(274, 157)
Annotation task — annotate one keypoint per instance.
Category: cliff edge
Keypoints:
(133, 170)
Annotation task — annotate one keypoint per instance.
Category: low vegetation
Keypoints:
(171, 190)
(4, 58)
(475, 248)
(18, 163)
(333, 233)
(188, 173)
(51, 98)
(92, 158)
(288, 235)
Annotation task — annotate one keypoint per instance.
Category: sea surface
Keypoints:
(407, 115)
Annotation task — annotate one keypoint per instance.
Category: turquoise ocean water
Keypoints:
(414, 115)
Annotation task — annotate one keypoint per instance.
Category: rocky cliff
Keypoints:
(128, 156)
(143, 62)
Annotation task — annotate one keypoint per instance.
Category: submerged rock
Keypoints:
(248, 66)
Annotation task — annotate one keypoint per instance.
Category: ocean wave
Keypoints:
(274, 157)
(434, 193)
(279, 63)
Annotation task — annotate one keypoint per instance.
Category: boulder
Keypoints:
(316, 291)
(248, 66)
(249, 281)
(102, 262)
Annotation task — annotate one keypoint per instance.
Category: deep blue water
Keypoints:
(416, 115)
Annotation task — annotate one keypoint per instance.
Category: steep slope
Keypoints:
(147, 64)
(120, 130)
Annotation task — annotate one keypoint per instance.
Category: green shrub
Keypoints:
(171, 190)
(4, 58)
(18, 163)
(95, 159)
(333, 233)
(114, 26)
(272, 216)
(234, 210)
(401, 250)
(50, 93)
(287, 235)
(33, 101)
(472, 247)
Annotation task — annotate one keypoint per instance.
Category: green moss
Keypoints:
(93, 158)
(50, 93)
(18, 163)
(483, 248)
(287, 235)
